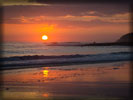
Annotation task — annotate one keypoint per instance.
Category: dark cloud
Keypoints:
(61, 10)
(12, 14)
(80, 1)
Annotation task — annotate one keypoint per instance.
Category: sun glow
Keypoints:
(44, 37)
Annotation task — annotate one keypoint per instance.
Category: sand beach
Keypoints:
(107, 81)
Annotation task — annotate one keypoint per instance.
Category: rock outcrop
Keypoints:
(126, 38)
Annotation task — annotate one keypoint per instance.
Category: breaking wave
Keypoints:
(43, 61)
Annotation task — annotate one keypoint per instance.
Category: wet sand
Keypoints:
(108, 81)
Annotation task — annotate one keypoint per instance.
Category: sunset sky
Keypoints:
(76, 22)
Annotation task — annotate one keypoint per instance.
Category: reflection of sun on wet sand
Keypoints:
(45, 95)
(45, 72)
(99, 80)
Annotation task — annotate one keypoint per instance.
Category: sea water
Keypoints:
(20, 55)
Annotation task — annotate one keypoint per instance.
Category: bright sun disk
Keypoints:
(44, 37)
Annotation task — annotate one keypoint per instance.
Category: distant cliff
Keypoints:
(126, 38)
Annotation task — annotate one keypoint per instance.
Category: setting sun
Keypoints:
(44, 37)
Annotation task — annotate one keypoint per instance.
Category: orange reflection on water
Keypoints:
(45, 72)
(45, 95)
(100, 73)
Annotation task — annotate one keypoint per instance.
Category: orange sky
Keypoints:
(74, 25)
(33, 33)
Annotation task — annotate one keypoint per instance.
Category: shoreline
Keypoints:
(95, 44)
(110, 80)
(62, 64)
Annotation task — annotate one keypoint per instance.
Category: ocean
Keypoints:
(40, 71)
(25, 55)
